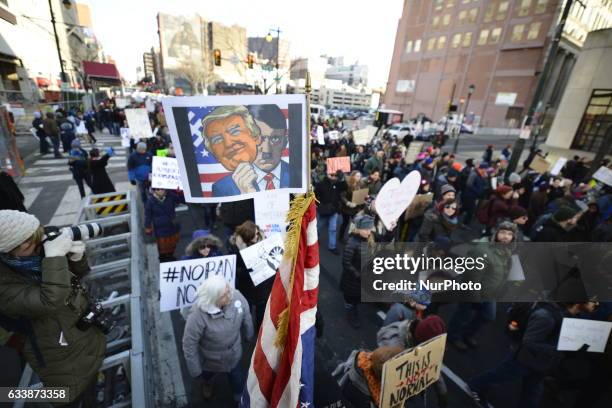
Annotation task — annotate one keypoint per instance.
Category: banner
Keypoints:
(604, 175)
(179, 281)
(338, 163)
(233, 147)
(271, 208)
(263, 258)
(577, 332)
(411, 372)
(138, 121)
(165, 173)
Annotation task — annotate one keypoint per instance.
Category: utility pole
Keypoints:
(64, 77)
(519, 145)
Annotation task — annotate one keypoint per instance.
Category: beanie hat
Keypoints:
(457, 166)
(452, 173)
(365, 222)
(514, 178)
(429, 328)
(428, 160)
(15, 228)
(199, 234)
(517, 212)
(564, 213)
(506, 226)
(447, 188)
(503, 189)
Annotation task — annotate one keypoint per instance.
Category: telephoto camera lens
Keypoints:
(83, 232)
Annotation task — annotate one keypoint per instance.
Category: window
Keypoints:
(417, 45)
(488, 17)
(431, 43)
(524, 7)
(541, 6)
(446, 20)
(502, 10)
(472, 15)
(441, 42)
(462, 16)
(484, 36)
(438, 4)
(495, 35)
(456, 41)
(467, 40)
(408, 47)
(435, 22)
(534, 31)
(517, 33)
(595, 122)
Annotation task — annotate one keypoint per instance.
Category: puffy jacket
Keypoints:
(350, 282)
(160, 214)
(53, 307)
(213, 342)
(139, 166)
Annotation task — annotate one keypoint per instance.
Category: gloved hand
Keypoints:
(77, 250)
(60, 246)
(351, 204)
(133, 182)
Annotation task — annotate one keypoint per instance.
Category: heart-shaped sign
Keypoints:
(394, 197)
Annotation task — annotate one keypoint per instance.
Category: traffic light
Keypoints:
(250, 60)
(217, 55)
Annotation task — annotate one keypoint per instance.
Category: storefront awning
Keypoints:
(106, 73)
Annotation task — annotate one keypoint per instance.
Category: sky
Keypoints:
(359, 30)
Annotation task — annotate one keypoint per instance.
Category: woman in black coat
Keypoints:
(101, 182)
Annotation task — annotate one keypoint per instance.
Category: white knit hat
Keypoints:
(15, 228)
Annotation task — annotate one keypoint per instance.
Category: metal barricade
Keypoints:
(116, 259)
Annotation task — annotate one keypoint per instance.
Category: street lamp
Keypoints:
(471, 90)
(269, 39)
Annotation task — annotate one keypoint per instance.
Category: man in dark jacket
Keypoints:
(328, 194)
(12, 199)
(52, 131)
(67, 131)
(558, 228)
(139, 168)
(37, 124)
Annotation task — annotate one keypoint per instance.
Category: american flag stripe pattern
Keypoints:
(284, 376)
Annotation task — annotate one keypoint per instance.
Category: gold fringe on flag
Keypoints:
(298, 207)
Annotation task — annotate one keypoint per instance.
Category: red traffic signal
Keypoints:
(217, 56)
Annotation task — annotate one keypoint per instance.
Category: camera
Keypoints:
(81, 232)
(96, 316)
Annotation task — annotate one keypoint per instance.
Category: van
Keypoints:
(317, 111)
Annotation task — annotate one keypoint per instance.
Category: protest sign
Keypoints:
(263, 258)
(165, 173)
(363, 136)
(516, 273)
(138, 121)
(179, 281)
(559, 164)
(577, 332)
(418, 205)
(394, 197)
(413, 151)
(125, 137)
(320, 135)
(150, 105)
(122, 102)
(338, 163)
(271, 208)
(333, 135)
(411, 372)
(359, 196)
(539, 164)
(604, 175)
(219, 166)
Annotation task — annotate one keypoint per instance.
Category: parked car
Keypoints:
(400, 130)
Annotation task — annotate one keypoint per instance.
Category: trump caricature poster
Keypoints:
(232, 147)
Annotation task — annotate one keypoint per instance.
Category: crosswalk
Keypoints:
(50, 192)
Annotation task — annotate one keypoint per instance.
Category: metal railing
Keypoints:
(116, 261)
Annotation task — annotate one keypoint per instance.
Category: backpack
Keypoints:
(483, 214)
(518, 314)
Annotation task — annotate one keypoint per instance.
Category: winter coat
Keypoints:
(38, 124)
(397, 334)
(12, 199)
(499, 209)
(161, 214)
(354, 385)
(101, 182)
(373, 163)
(537, 204)
(139, 166)
(350, 282)
(328, 195)
(493, 277)
(474, 187)
(67, 128)
(50, 127)
(213, 342)
(346, 196)
(53, 307)
(432, 227)
(551, 231)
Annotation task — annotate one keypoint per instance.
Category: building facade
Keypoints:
(498, 46)
(148, 62)
(353, 75)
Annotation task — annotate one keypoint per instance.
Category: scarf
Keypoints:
(450, 223)
(30, 265)
(364, 362)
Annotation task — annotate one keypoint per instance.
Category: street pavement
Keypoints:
(52, 195)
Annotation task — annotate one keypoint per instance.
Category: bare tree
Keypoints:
(199, 75)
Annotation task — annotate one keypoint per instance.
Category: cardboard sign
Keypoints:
(394, 197)
(125, 137)
(263, 258)
(559, 164)
(539, 164)
(413, 151)
(138, 120)
(271, 210)
(361, 136)
(418, 206)
(576, 332)
(604, 175)
(411, 372)
(338, 163)
(359, 196)
(165, 173)
(320, 135)
(179, 281)
(333, 135)
(122, 102)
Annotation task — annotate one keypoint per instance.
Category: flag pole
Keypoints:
(308, 90)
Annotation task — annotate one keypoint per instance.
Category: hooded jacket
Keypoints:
(192, 249)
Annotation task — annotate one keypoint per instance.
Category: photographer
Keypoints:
(43, 303)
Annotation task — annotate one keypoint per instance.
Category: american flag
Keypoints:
(283, 376)
(209, 169)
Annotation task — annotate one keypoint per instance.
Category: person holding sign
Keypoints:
(215, 328)
(350, 206)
